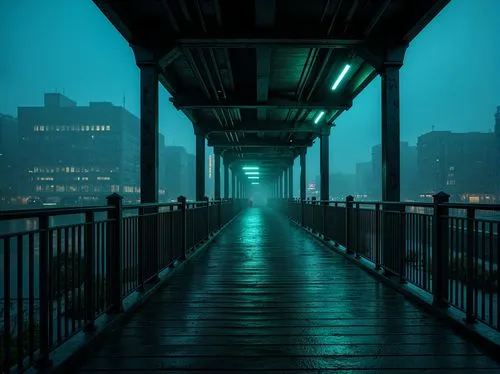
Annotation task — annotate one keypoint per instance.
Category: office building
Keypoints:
(463, 165)
(191, 177)
(73, 154)
(176, 172)
(8, 160)
(363, 180)
(408, 172)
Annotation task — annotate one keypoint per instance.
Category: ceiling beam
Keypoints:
(332, 103)
(214, 127)
(220, 141)
(264, 19)
(254, 42)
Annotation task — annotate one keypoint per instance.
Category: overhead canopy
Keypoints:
(260, 76)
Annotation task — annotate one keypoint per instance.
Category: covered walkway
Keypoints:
(265, 297)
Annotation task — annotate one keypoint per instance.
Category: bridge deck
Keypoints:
(266, 297)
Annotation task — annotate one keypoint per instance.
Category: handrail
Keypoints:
(29, 213)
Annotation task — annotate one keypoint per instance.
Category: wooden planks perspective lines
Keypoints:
(266, 298)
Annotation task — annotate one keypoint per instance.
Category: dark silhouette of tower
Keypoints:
(497, 148)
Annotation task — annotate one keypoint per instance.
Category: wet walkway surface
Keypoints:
(266, 298)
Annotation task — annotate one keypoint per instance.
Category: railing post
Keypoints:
(326, 204)
(45, 292)
(440, 249)
(219, 218)
(114, 241)
(377, 236)
(357, 231)
(469, 306)
(313, 209)
(89, 254)
(208, 226)
(402, 244)
(348, 213)
(141, 223)
(171, 238)
(302, 212)
(182, 208)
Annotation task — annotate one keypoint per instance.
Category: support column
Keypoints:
(149, 158)
(217, 174)
(390, 134)
(393, 226)
(324, 165)
(303, 173)
(226, 179)
(149, 124)
(200, 165)
(389, 72)
(234, 195)
(286, 174)
(290, 181)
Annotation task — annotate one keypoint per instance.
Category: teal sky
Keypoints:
(451, 77)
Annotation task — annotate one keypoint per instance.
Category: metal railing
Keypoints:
(63, 268)
(450, 250)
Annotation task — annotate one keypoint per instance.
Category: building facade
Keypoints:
(363, 180)
(176, 181)
(8, 160)
(73, 154)
(463, 165)
(408, 172)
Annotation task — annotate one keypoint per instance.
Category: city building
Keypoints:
(209, 176)
(8, 160)
(176, 182)
(363, 180)
(191, 177)
(73, 154)
(162, 169)
(341, 185)
(497, 153)
(463, 165)
(408, 169)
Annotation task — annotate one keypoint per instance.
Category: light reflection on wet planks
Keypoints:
(267, 298)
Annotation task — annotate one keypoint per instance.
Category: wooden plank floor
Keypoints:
(267, 298)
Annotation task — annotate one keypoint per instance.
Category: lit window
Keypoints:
(102, 128)
(108, 128)
(36, 128)
(87, 128)
(92, 128)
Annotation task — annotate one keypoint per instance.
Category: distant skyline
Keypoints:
(450, 79)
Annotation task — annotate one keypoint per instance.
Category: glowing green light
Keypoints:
(255, 182)
(250, 168)
(251, 173)
(253, 177)
(320, 115)
(341, 76)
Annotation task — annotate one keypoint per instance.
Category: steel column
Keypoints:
(234, 194)
(226, 180)
(217, 175)
(390, 134)
(200, 166)
(286, 174)
(149, 131)
(303, 174)
(290, 182)
(324, 167)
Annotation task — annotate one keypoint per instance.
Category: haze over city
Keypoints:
(249, 186)
(450, 79)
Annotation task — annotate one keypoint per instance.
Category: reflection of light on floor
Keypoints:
(251, 240)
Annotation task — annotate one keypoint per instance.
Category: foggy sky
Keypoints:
(451, 77)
